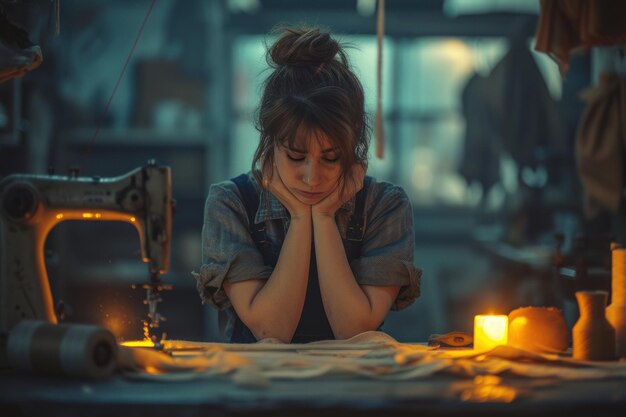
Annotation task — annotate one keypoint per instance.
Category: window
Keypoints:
(422, 83)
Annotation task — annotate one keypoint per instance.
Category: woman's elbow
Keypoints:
(262, 331)
(347, 332)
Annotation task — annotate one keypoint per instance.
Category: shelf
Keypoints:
(134, 137)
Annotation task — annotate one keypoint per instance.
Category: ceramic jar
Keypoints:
(616, 312)
(593, 336)
(538, 329)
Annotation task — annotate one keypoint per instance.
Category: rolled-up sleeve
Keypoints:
(228, 251)
(388, 245)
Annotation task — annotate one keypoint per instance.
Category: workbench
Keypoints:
(424, 388)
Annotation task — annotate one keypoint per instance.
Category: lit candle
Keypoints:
(490, 331)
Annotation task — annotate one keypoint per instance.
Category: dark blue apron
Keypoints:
(313, 324)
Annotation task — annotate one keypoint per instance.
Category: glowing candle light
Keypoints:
(490, 331)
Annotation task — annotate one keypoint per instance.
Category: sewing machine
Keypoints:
(31, 205)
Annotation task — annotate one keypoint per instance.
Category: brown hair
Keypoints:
(312, 90)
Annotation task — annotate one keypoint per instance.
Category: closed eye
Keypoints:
(296, 159)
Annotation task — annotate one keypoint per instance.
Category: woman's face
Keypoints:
(310, 169)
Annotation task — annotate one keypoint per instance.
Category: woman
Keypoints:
(306, 247)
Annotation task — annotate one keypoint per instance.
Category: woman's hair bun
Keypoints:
(302, 47)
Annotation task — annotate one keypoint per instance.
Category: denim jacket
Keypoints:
(229, 253)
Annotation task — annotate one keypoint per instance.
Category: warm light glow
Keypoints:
(138, 343)
(113, 324)
(132, 219)
(490, 331)
(153, 370)
(92, 215)
(489, 389)
(518, 324)
(60, 216)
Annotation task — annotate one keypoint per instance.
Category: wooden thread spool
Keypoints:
(616, 312)
(593, 335)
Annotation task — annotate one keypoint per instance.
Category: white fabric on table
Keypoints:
(373, 355)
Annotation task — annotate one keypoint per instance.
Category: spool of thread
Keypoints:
(616, 312)
(618, 273)
(77, 350)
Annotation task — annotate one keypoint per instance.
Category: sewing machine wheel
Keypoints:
(20, 201)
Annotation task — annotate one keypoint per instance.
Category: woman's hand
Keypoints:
(344, 191)
(275, 185)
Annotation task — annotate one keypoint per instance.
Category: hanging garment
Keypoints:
(527, 114)
(482, 147)
(601, 144)
(568, 25)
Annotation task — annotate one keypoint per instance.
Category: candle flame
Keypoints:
(490, 331)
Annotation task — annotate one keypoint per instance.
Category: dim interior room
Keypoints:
(480, 131)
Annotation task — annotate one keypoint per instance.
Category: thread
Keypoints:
(593, 335)
(616, 312)
(380, 32)
(57, 17)
(77, 350)
(618, 273)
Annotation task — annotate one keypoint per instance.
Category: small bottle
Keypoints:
(593, 335)
(616, 312)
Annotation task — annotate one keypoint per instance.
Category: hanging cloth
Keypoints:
(525, 113)
(601, 144)
(482, 142)
(17, 53)
(567, 25)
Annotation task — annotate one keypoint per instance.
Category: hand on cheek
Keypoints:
(275, 185)
(345, 189)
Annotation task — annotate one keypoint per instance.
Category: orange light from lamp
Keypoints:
(490, 331)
